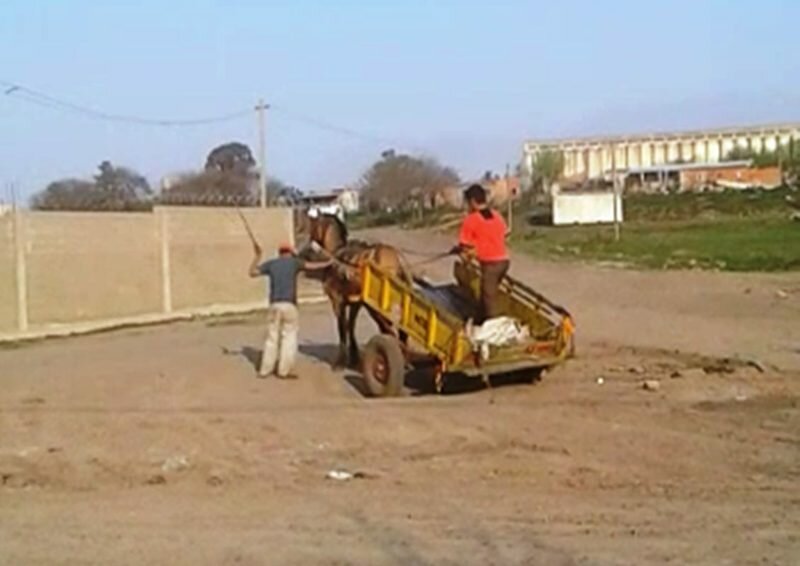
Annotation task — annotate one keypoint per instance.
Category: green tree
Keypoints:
(232, 157)
(548, 166)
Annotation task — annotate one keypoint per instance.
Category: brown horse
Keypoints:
(342, 281)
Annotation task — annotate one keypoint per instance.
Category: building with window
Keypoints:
(596, 157)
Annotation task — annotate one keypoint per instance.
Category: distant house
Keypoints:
(499, 189)
(451, 196)
(339, 201)
(348, 199)
(701, 176)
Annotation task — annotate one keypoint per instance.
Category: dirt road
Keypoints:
(158, 446)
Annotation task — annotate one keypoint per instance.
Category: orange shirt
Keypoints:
(487, 236)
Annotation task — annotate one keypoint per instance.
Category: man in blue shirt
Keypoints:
(280, 345)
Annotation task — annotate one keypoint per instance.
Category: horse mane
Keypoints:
(341, 225)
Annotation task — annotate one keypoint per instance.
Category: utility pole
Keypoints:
(616, 193)
(262, 153)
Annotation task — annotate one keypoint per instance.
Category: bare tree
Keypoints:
(113, 189)
(220, 188)
(396, 179)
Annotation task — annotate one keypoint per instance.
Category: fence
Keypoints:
(67, 270)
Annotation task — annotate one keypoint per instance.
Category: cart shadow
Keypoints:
(325, 353)
(420, 382)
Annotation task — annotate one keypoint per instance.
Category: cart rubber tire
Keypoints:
(384, 366)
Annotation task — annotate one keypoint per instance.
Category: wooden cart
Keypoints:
(435, 319)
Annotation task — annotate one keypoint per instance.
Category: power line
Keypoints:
(38, 98)
(344, 131)
(323, 125)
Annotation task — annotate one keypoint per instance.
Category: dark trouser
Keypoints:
(492, 273)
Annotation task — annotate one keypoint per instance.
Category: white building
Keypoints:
(348, 199)
(596, 157)
(337, 201)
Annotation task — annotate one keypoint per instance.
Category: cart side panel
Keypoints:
(433, 329)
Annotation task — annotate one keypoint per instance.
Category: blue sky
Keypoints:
(464, 81)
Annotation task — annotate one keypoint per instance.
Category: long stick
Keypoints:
(247, 227)
(262, 154)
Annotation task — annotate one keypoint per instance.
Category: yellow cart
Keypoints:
(436, 319)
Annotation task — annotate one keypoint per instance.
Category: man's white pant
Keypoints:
(280, 346)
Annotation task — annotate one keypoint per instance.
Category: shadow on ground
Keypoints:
(325, 353)
(251, 355)
(420, 380)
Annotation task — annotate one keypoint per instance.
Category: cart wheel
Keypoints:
(384, 366)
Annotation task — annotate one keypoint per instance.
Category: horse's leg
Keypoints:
(354, 357)
(339, 310)
(341, 325)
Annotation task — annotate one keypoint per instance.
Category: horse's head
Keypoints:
(327, 231)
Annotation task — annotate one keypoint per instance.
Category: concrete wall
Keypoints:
(77, 267)
(90, 266)
(585, 208)
(8, 287)
(209, 252)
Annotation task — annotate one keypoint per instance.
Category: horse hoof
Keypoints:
(340, 363)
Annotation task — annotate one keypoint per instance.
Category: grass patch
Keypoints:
(751, 244)
(750, 203)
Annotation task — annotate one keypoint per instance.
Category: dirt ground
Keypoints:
(159, 446)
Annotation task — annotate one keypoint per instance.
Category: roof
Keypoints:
(662, 135)
(741, 164)
(319, 197)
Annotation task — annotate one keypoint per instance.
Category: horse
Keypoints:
(341, 282)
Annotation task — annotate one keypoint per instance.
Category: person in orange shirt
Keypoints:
(483, 233)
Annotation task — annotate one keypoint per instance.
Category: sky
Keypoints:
(463, 81)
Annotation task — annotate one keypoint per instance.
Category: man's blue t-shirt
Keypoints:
(282, 272)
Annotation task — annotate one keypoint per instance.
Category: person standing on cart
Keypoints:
(483, 234)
